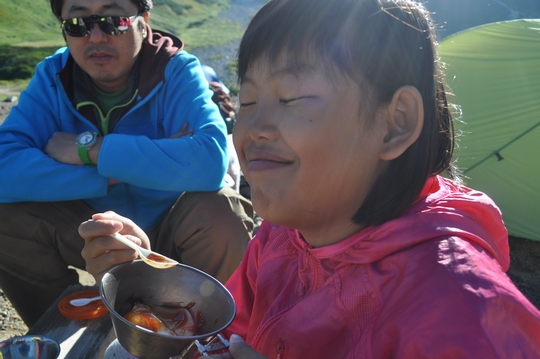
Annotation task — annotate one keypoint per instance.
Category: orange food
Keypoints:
(166, 319)
(158, 259)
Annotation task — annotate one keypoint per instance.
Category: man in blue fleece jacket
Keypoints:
(122, 120)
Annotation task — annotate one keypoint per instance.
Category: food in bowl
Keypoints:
(132, 282)
(169, 318)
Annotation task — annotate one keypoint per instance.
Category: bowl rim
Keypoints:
(115, 314)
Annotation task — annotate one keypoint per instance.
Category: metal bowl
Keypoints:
(30, 347)
(181, 283)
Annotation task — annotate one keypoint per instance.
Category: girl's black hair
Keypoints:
(382, 45)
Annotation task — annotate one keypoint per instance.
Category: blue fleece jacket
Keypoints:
(152, 168)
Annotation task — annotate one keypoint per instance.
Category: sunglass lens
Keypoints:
(74, 27)
(116, 25)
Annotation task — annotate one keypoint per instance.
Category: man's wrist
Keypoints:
(84, 142)
(93, 153)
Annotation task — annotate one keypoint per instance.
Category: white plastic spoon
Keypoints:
(81, 302)
(154, 259)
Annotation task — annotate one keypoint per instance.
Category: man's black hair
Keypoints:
(142, 6)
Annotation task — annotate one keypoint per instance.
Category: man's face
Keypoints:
(107, 59)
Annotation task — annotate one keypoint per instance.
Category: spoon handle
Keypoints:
(83, 301)
(128, 243)
(151, 258)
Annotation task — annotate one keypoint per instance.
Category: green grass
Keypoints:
(29, 31)
(31, 22)
(27, 21)
(206, 35)
(195, 21)
(19, 62)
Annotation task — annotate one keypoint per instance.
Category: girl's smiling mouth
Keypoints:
(261, 160)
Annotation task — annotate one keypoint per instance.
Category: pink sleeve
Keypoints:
(460, 305)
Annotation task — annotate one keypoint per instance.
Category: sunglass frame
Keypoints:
(111, 25)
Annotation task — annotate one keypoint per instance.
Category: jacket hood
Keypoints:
(158, 49)
(442, 210)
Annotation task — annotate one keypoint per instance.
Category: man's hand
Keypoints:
(239, 350)
(63, 148)
(101, 252)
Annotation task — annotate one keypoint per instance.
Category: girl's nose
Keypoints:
(261, 125)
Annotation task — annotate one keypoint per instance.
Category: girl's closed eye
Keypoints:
(294, 99)
(248, 95)
(285, 101)
(246, 104)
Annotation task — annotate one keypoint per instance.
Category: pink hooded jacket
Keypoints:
(429, 284)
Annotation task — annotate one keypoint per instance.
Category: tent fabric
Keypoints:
(494, 73)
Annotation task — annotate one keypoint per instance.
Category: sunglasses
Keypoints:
(111, 25)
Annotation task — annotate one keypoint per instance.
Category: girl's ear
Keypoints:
(404, 121)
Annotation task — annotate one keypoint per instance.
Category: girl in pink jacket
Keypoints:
(365, 252)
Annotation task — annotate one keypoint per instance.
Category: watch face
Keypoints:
(86, 138)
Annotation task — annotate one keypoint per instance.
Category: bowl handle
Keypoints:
(212, 345)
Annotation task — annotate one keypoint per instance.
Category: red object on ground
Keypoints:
(92, 310)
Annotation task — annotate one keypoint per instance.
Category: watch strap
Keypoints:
(83, 155)
(85, 144)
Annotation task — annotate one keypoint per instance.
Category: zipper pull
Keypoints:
(280, 350)
(306, 257)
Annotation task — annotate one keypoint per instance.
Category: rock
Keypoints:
(5, 108)
(11, 99)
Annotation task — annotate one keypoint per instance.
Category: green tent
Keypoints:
(494, 72)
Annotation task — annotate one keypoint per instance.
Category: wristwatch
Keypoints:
(85, 141)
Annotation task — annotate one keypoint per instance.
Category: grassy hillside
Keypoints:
(28, 30)
(30, 23)
(195, 21)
